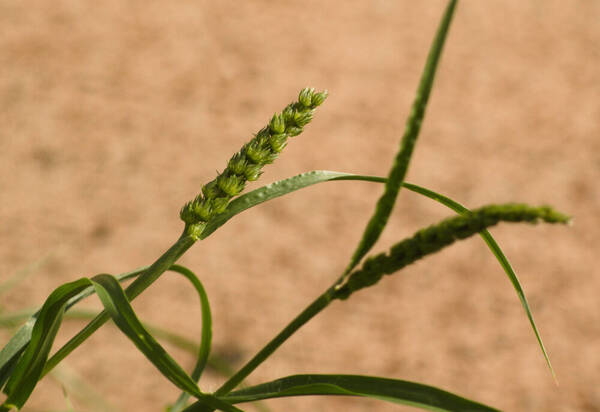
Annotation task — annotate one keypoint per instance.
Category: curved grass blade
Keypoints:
(268, 192)
(17, 344)
(22, 274)
(79, 389)
(500, 256)
(397, 173)
(390, 390)
(206, 334)
(303, 180)
(141, 283)
(117, 305)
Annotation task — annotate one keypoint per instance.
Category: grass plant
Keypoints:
(26, 359)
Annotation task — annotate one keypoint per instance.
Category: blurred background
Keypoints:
(113, 114)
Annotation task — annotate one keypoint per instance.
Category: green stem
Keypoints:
(307, 314)
(163, 263)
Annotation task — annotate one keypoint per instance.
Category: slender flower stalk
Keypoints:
(246, 165)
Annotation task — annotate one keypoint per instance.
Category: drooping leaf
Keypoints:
(500, 256)
(115, 302)
(206, 335)
(141, 282)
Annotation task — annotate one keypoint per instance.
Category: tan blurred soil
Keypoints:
(113, 114)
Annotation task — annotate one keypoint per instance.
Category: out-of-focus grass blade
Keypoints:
(397, 173)
(218, 364)
(390, 390)
(81, 390)
(25, 375)
(16, 345)
(23, 274)
(206, 335)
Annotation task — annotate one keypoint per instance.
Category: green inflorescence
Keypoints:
(246, 164)
(435, 237)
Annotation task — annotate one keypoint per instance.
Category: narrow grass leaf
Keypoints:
(268, 192)
(390, 390)
(495, 248)
(81, 390)
(500, 256)
(397, 173)
(116, 304)
(206, 334)
(23, 274)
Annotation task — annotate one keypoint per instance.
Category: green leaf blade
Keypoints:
(390, 390)
(206, 334)
(512, 276)
(118, 307)
(500, 256)
(269, 192)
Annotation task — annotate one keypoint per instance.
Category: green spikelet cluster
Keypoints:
(246, 165)
(435, 237)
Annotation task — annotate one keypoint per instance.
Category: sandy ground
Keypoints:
(114, 113)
